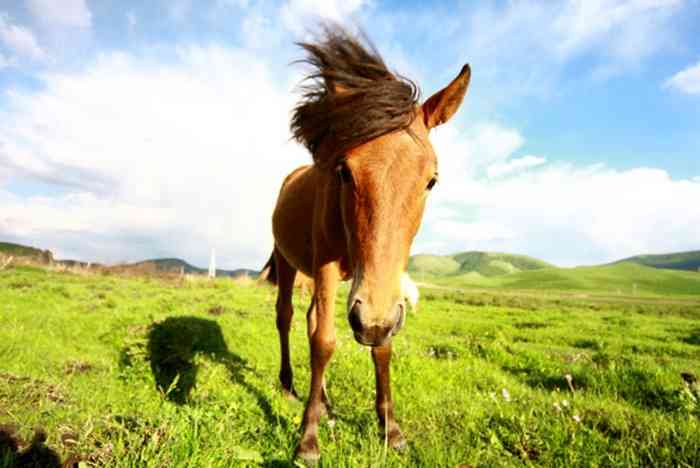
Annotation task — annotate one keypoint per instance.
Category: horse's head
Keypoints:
(384, 184)
(364, 123)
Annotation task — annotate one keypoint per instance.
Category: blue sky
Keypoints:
(138, 129)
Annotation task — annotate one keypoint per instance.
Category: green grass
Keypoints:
(142, 372)
(481, 263)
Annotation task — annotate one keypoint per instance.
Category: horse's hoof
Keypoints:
(396, 440)
(308, 452)
(308, 458)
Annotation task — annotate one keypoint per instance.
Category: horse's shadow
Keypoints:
(172, 346)
(37, 454)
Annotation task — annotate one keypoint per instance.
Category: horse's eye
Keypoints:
(343, 173)
(431, 184)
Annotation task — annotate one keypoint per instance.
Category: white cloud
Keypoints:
(178, 10)
(465, 156)
(562, 213)
(524, 47)
(295, 12)
(259, 31)
(514, 165)
(64, 13)
(629, 28)
(624, 29)
(19, 39)
(466, 233)
(686, 80)
(145, 158)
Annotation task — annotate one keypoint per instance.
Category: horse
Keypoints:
(353, 213)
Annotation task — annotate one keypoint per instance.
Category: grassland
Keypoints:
(147, 372)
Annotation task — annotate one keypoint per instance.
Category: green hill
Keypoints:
(623, 278)
(475, 263)
(674, 261)
(169, 265)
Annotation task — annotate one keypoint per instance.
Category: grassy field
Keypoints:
(147, 372)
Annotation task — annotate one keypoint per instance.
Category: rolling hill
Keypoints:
(674, 261)
(674, 273)
(474, 263)
(622, 278)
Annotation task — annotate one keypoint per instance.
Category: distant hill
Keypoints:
(78, 263)
(161, 264)
(475, 263)
(625, 278)
(176, 264)
(8, 248)
(18, 250)
(674, 261)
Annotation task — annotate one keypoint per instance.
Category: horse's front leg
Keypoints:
(381, 355)
(321, 325)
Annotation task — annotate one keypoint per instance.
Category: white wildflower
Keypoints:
(570, 381)
(506, 395)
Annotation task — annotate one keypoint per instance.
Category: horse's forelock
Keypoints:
(351, 97)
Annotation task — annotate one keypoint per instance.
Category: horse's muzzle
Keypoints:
(376, 334)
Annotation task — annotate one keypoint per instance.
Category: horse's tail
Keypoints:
(269, 271)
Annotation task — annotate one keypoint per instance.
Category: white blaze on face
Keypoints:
(409, 290)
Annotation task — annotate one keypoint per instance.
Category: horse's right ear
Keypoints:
(334, 87)
(442, 105)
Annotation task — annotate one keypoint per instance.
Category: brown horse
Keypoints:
(353, 214)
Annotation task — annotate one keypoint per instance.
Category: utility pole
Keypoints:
(212, 264)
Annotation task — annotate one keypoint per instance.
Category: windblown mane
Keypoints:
(352, 97)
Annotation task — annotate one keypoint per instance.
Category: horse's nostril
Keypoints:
(400, 317)
(354, 316)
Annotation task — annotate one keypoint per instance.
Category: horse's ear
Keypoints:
(442, 105)
(334, 87)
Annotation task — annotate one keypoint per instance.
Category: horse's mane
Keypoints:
(351, 96)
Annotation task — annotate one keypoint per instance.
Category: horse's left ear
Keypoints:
(442, 105)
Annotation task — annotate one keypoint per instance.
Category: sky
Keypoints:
(133, 130)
